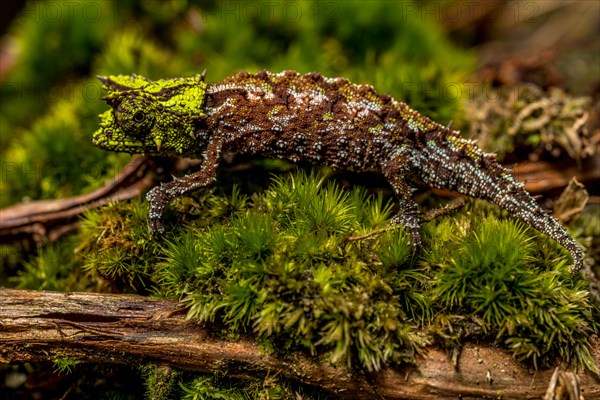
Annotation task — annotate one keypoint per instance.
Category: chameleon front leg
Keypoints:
(408, 216)
(160, 196)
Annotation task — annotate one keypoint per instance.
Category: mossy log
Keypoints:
(107, 328)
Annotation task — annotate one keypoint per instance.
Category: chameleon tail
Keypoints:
(500, 187)
(511, 196)
(458, 164)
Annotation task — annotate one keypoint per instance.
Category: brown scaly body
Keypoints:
(307, 117)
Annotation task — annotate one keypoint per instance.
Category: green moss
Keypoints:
(54, 267)
(531, 305)
(164, 383)
(64, 365)
(115, 243)
(279, 265)
(207, 387)
(161, 381)
(204, 388)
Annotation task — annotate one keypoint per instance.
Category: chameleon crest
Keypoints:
(151, 117)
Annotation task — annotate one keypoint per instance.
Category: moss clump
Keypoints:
(538, 314)
(208, 387)
(279, 264)
(282, 268)
(54, 267)
(161, 381)
(64, 365)
(116, 245)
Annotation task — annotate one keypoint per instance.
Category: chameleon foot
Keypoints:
(156, 226)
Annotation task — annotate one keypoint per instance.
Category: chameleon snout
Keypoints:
(101, 137)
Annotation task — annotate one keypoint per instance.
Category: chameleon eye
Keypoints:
(134, 116)
(139, 117)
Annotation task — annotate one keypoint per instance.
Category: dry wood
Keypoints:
(38, 326)
(42, 220)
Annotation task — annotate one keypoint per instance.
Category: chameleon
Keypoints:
(307, 117)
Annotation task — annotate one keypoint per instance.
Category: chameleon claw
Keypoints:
(156, 227)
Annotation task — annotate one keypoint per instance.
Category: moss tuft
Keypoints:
(282, 268)
(115, 243)
(64, 365)
(539, 314)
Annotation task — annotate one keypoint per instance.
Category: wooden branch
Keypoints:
(542, 176)
(105, 328)
(42, 220)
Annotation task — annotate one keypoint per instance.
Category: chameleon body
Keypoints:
(307, 117)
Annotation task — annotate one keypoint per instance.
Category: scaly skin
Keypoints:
(307, 117)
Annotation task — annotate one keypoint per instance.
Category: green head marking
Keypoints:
(151, 117)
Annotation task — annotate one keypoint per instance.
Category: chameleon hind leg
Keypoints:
(160, 196)
(408, 217)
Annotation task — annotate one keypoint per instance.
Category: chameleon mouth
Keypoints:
(104, 140)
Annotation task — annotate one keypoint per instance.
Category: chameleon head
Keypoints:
(151, 117)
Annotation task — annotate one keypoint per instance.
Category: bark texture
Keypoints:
(38, 326)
